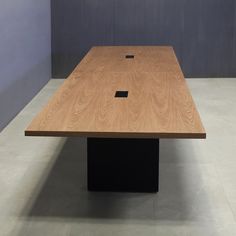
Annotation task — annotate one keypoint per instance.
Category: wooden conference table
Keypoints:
(123, 99)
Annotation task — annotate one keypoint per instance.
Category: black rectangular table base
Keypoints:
(123, 165)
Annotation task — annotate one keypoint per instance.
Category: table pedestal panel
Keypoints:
(123, 165)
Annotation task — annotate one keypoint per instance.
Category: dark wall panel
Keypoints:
(78, 25)
(203, 32)
(131, 19)
(208, 38)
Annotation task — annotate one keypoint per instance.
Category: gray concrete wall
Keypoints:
(201, 31)
(25, 53)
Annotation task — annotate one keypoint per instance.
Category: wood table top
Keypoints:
(158, 103)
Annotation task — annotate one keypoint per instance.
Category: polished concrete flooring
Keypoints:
(43, 180)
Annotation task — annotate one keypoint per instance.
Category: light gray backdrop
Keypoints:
(25, 53)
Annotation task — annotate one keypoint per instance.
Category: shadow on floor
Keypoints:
(64, 193)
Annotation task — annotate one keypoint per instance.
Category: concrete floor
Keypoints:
(43, 180)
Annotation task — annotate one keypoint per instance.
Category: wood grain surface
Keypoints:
(159, 104)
